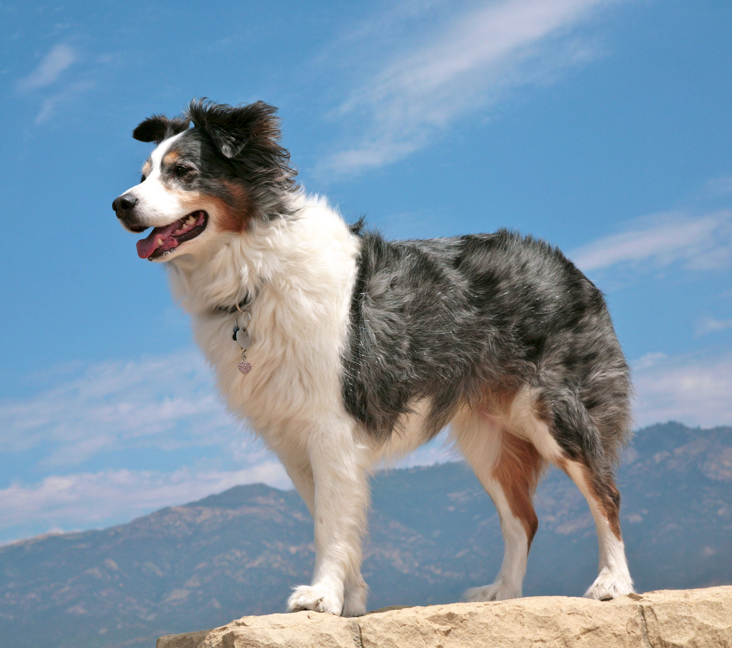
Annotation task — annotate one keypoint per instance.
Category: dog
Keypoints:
(342, 349)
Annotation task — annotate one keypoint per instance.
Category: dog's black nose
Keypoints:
(123, 204)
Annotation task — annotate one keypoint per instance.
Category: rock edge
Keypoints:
(668, 618)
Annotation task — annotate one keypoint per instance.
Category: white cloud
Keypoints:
(697, 243)
(57, 61)
(471, 64)
(164, 402)
(648, 360)
(67, 95)
(712, 325)
(719, 186)
(97, 499)
(694, 390)
(168, 403)
(56, 88)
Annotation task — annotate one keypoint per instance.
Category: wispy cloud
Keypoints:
(480, 56)
(719, 186)
(168, 402)
(54, 85)
(697, 243)
(165, 402)
(67, 95)
(51, 67)
(712, 325)
(108, 409)
(86, 500)
(691, 389)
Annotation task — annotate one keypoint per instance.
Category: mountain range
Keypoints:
(433, 534)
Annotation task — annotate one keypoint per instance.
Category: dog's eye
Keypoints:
(181, 171)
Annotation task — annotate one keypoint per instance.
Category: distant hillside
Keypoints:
(434, 533)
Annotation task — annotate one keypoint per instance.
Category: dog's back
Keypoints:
(459, 319)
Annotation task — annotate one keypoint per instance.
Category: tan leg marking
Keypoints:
(518, 471)
(607, 503)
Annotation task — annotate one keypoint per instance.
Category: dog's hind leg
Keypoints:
(508, 467)
(340, 467)
(572, 441)
(613, 579)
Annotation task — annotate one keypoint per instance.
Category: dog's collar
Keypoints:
(236, 308)
(240, 333)
(242, 305)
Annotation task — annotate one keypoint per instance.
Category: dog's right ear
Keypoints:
(159, 127)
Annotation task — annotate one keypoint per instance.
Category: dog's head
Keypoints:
(219, 176)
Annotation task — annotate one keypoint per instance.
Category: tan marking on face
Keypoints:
(233, 215)
(518, 470)
(237, 212)
(171, 158)
(190, 200)
(147, 167)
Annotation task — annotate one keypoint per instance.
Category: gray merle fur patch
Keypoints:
(454, 318)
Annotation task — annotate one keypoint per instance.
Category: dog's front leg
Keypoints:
(340, 468)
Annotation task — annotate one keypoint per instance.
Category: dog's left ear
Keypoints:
(231, 128)
(159, 127)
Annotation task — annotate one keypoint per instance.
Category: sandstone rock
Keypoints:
(670, 618)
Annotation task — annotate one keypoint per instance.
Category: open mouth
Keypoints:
(164, 239)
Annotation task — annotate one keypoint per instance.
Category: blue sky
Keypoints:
(603, 126)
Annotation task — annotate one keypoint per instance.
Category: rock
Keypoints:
(699, 618)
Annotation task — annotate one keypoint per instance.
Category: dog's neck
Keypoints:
(235, 308)
(286, 255)
(226, 279)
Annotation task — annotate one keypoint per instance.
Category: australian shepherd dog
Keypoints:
(342, 349)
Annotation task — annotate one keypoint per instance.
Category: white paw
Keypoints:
(354, 602)
(498, 591)
(609, 585)
(312, 597)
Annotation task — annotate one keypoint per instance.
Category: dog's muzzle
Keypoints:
(124, 207)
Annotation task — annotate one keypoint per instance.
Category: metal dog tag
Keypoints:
(243, 338)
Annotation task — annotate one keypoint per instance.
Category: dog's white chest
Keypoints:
(294, 370)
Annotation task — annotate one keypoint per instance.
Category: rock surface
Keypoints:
(699, 618)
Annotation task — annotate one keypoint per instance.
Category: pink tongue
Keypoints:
(146, 246)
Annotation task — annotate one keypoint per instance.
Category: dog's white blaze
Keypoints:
(156, 157)
(158, 206)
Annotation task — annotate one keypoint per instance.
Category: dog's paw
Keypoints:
(609, 585)
(498, 591)
(354, 602)
(312, 597)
